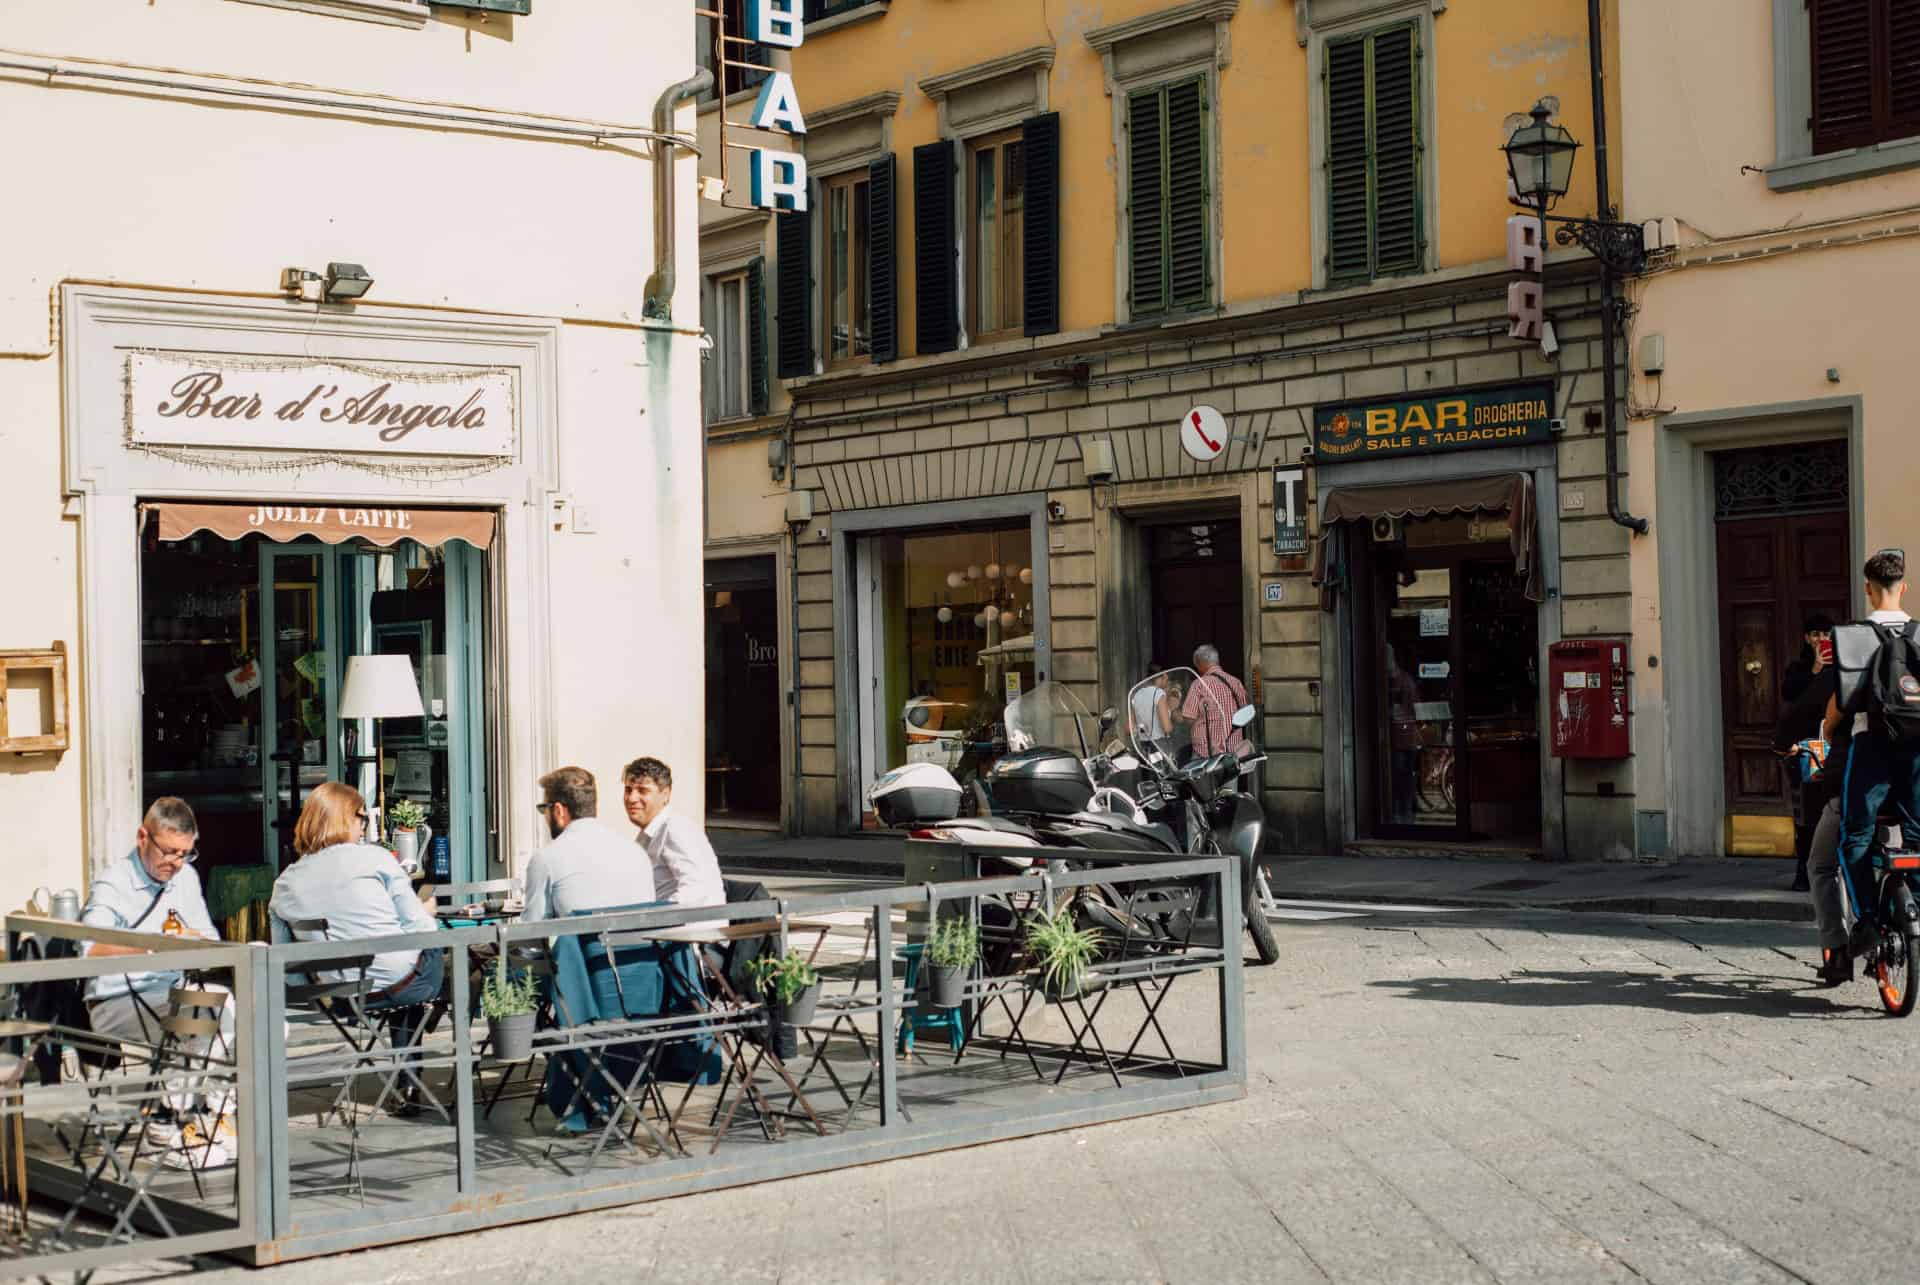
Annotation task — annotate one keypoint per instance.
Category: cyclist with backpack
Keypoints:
(1879, 694)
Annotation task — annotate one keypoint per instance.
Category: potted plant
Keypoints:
(509, 1000)
(789, 986)
(407, 817)
(953, 948)
(1062, 953)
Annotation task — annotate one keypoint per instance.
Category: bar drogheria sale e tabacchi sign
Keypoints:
(1513, 415)
(287, 403)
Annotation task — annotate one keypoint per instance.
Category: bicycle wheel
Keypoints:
(1894, 973)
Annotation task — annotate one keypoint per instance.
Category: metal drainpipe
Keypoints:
(658, 304)
(793, 637)
(1609, 318)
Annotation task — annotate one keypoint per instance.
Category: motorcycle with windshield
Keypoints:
(1062, 784)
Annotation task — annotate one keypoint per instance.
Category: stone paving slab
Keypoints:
(1506, 1095)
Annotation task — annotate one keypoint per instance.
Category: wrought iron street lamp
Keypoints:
(1540, 163)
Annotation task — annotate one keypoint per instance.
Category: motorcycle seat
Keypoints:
(1004, 825)
(1120, 823)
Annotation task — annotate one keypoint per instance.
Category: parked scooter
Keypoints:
(1059, 786)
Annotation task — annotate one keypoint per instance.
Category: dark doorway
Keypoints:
(1198, 596)
(743, 691)
(1781, 555)
(1449, 692)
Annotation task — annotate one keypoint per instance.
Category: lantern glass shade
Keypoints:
(1540, 159)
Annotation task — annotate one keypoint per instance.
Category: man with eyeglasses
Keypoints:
(154, 889)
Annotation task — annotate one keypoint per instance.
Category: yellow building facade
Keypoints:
(945, 447)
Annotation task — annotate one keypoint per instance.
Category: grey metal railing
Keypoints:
(425, 1177)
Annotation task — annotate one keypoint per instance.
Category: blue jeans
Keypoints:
(423, 988)
(1877, 771)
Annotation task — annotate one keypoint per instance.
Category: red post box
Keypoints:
(1587, 703)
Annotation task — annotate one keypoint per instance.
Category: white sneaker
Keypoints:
(163, 1135)
(194, 1151)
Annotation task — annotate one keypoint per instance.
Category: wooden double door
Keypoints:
(1773, 573)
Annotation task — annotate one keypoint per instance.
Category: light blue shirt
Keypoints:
(119, 896)
(589, 867)
(361, 891)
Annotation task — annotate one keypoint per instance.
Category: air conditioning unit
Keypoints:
(1386, 530)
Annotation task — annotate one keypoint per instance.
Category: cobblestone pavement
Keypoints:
(1436, 1096)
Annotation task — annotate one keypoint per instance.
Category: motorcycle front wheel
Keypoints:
(1264, 945)
(1894, 973)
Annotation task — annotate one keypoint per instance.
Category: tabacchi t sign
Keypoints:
(778, 179)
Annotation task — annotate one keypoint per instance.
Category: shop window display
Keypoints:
(946, 639)
(244, 646)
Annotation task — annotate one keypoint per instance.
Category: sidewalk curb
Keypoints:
(1678, 907)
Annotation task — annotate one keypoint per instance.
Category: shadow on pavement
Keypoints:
(1695, 994)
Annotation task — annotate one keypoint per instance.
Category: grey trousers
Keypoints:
(1823, 871)
(120, 1017)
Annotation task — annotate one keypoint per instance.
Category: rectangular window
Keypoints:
(728, 370)
(1374, 218)
(737, 78)
(818, 9)
(1168, 205)
(1866, 72)
(996, 191)
(848, 335)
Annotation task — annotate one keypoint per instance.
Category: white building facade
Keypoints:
(225, 480)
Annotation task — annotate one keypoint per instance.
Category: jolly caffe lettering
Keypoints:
(203, 395)
(387, 519)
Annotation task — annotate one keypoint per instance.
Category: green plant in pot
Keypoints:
(789, 986)
(407, 817)
(509, 1001)
(953, 948)
(1062, 953)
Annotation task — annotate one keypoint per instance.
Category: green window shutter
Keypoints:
(1040, 224)
(1188, 278)
(1374, 146)
(490, 6)
(1146, 171)
(1349, 230)
(757, 392)
(793, 291)
(1397, 242)
(936, 261)
(883, 311)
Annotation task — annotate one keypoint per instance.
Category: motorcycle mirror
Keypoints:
(1108, 717)
(1243, 716)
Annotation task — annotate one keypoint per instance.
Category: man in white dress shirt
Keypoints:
(588, 866)
(685, 871)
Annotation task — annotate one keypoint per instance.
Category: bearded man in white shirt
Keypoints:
(685, 871)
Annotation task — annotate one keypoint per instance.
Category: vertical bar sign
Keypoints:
(1289, 512)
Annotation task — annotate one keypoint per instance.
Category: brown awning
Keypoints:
(1511, 493)
(333, 523)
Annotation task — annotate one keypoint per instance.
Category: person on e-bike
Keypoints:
(1882, 764)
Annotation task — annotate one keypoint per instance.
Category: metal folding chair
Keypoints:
(732, 1014)
(625, 1113)
(124, 1117)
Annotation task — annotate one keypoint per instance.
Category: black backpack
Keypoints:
(1891, 694)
